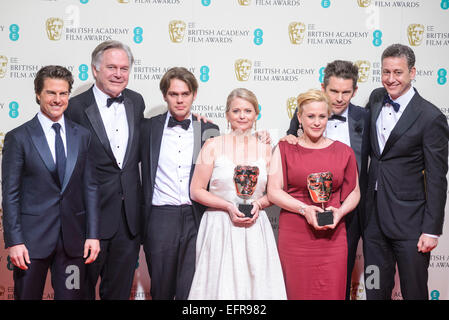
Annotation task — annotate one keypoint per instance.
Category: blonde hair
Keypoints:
(244, 94)
(313, 95)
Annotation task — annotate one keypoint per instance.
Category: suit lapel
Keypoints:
(40, 142)
(197, 142)
(411, 113)
(129, 109)
(375, 109)
(157, 130)
(93, 114)
(72, 144)
(355, 125)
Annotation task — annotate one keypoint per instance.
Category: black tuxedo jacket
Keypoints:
(116, 185)
(359, 124)
(411, 170)
(151, 137)
(36, 208)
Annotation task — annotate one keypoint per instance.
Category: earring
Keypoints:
(300, 131)
(228, 125)
(255, 125)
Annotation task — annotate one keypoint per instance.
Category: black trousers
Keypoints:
(68, 276)
(170, 251)
(115, 265)
(381, 254)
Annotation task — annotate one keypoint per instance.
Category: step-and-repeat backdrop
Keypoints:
(276, 48)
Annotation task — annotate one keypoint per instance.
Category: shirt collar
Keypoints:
(189, 117)
(100, 97)
(345, 113)
(46, 123)
(405, 99)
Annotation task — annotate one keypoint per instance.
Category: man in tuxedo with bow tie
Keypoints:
(348, 124)
(170, 145)
(113, 114)
(50, 195)
(407, 181)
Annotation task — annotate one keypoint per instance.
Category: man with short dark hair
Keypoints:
(348, 124)
(50, 195)
(170, 145)
(113, 114)
(407, 181)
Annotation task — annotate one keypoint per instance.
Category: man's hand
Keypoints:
(426, 243)
(201, 118)
(19, 256)
(92, 245)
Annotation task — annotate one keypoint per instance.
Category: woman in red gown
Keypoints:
(313, 257)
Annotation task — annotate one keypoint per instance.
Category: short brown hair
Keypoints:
(398, 50)
(52, 72)
(179, 73)
(341, 69)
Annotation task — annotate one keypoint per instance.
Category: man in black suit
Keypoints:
(407, 181)
(348, 124)
(50, 195)
(113, 114)
(170, 145)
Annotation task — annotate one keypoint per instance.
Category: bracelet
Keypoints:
(302, 209)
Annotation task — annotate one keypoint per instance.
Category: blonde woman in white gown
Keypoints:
(236, 256)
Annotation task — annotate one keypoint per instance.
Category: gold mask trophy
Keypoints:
(245, 181)
(320, 190)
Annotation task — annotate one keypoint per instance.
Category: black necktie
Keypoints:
(184, 123)
(337, 117)
(388, 100)
(60, 153)
(110, 101)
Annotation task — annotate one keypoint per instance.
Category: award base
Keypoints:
(246, 209)
(325, 218)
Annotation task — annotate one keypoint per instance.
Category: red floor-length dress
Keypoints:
(314, 262)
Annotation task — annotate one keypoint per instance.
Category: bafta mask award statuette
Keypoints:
(245, 181)
(320, 190)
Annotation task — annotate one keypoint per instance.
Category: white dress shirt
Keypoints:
(339, 130)
(50, 133)
(115, 123)
(388, 117)
(172, 182)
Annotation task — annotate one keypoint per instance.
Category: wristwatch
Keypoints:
(302, 209)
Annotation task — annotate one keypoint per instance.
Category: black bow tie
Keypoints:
(184, 123)
(110, 101)
(337, 117)
(388, 100)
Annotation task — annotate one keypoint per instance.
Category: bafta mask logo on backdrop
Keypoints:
(364, 3)
(123, 1)
(242, 69)
(54, 28)
(176, 29)
(296, 32)
(415, 33)
(3, 66)
(244, 2)
(364, 70)
(292, 104)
